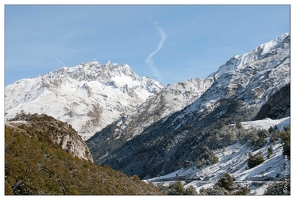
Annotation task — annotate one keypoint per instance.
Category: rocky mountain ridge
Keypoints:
(88, 96)
(251, 77)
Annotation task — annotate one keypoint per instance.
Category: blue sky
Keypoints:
(168, 43)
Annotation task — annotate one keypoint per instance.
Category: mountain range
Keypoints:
(136, 125)
(147, 142)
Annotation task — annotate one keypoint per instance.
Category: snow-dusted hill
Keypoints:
(88, 96)
(233, 160)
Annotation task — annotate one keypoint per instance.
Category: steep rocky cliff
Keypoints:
(277, 106)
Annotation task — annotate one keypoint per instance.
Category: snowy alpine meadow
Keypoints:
(226, 134)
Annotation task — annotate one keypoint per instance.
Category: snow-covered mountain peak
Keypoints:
(251, 77)
(89, 96)
(92, 68)
(273, 44)
(108, 74)
(239, 62)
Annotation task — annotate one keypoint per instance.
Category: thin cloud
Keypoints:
(149, 61)
(58, 60)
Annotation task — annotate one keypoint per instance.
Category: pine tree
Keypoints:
(255, 160)
(226, 181)
(239, 125)
(269, 151)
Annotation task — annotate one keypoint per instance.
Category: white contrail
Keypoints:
(149, 61)
(58, 60)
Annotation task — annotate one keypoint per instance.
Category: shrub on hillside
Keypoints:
(254, 138)
(226, 181)
(254, 160)
(269, 151)
(285, 137)
(274, 136)
(243, 191)
(190, 190)
(239, 125)
(262, 133)
(206, 157)
(176, 188)
(215, 190)
(280, 188)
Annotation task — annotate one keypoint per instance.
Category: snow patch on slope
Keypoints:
(267, 123)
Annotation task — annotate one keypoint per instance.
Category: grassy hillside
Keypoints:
(36, 165)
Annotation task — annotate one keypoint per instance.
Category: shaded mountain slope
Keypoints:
(277, 106)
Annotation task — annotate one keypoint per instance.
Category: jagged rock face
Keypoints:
(57, 132)
(88, 96)
(170, 99)
(74, 145)
(277, 106)
(241, 86)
